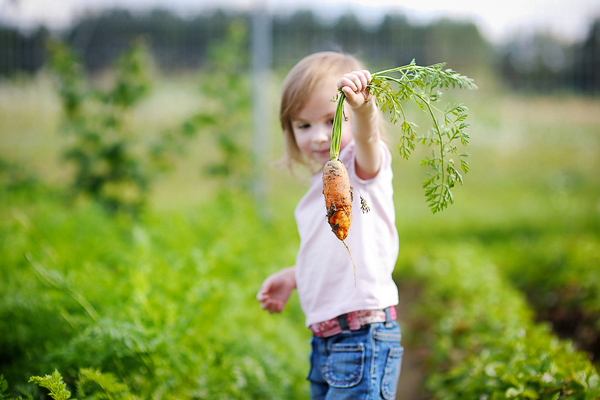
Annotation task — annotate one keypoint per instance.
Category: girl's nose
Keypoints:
(322, 135)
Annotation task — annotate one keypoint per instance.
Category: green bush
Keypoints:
(165, 304)
(104, 150)
(113, 162)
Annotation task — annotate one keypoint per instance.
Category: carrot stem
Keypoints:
(336, 132)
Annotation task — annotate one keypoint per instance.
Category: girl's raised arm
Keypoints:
(365, 122)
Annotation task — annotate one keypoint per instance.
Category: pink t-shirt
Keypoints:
(324, 272)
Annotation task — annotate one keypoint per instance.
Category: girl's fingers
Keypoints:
(348, 91)
(367, 76)
(364, 79)
(260, 296)
(356, 80)
(351, 82)
(272, 306)
(262, 292)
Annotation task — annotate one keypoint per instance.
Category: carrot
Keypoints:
(338, 200)
(338, 197)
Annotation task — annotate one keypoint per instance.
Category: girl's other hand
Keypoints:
(276, 289)
(354, 86)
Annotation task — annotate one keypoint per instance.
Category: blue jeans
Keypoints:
(361, 364)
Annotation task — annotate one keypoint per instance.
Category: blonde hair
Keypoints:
(300, 83)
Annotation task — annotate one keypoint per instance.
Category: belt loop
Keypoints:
(343, 323)
(388, 317)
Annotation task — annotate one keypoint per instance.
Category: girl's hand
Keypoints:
(354, 86)
(365, 122)
(276, 289)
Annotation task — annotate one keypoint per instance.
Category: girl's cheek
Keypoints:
(302, 142)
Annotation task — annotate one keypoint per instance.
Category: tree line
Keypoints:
(539, 62)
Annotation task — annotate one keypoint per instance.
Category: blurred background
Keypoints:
(141, 198)
(540, 45)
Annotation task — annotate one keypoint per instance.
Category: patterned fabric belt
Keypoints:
(355, 320)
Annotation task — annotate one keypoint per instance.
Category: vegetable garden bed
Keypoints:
(483, 340)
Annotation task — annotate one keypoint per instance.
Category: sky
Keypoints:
(498, 21)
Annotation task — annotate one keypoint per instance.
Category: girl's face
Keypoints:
(312, 127)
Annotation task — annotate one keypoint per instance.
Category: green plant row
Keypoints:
(564, 286)
(164, 304)
(483, 340)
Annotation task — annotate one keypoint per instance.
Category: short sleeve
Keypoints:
(348, 158)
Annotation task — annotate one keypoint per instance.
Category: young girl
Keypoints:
(356, 352)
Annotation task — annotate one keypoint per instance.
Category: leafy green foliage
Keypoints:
(164, 305)
(91, 384)
(54, 383)
(483, 339)
(105, 385)
(4, 389)
(422, 85)
(564, 287)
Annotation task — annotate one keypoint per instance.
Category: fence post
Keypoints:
(261, 115)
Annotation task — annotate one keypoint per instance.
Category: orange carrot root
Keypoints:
(338, 197)
(352, 258)
(338, 201)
